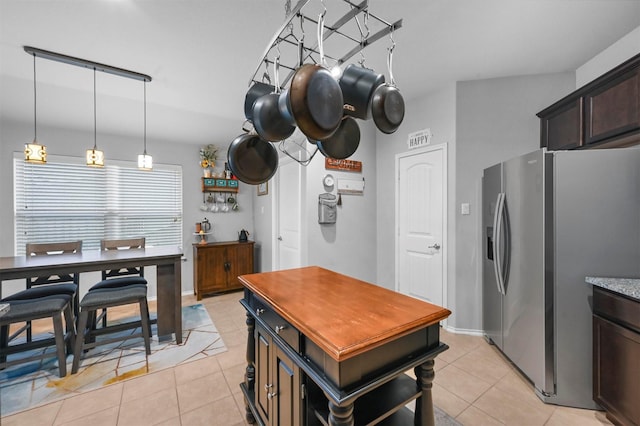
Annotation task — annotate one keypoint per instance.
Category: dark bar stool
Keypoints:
(117, 278)
(54, 284)
(108, 298)
(26, 306)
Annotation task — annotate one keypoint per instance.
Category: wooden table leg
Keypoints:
(169, 287)
(250, 372)
(340, 415)
(425, 415)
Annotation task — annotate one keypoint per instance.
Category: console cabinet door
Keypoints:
(613, 109)
(210, 275)
(240, 262)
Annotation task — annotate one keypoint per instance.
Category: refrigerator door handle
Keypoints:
(497, 236)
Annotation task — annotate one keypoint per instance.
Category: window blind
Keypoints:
(65, 200)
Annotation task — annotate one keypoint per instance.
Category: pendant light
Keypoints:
(95, 157)
(34, 152)
(145, 161)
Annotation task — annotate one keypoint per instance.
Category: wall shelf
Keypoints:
(219, 185)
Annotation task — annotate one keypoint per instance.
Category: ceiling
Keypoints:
(202, 54)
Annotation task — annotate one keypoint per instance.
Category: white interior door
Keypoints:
(288, 215)
(420, 216)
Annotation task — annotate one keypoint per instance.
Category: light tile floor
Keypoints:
(473, 384)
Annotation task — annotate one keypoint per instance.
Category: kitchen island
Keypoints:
(327, 349)
(616, 347)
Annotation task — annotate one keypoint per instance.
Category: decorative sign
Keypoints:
(419, 139)
(346, 165)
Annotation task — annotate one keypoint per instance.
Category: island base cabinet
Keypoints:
(293, 379)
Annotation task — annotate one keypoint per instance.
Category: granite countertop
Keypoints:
(629, 287)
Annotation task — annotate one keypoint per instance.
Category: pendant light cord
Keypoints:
(95, 132)
(145, 117)
(35, 110)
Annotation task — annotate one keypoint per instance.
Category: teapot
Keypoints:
(243, 235)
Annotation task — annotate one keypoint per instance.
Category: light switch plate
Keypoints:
(465, 208)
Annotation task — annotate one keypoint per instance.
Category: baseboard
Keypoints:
(467, 331)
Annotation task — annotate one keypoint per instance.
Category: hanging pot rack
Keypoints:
(285, 33)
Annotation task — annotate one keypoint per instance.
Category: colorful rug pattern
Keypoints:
(28, 385)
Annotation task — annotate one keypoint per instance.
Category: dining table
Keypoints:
(166, 259)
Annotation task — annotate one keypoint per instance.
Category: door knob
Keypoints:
(435, 246)
(279, 238)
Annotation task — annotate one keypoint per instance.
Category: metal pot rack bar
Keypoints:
(311, 53)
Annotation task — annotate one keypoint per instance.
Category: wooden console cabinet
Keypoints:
(216, 266)
(616, 356)
(327, 349)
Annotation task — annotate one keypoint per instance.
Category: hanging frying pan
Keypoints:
(252, 159)
(315, 98)
(344, 142)
(387, 104)
(358, 85)
(253, 94)
(268, 121)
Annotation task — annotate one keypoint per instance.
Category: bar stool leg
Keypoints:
(77, 353)
(146, 330)
(70, 319)
(4, 342)
(60, 343)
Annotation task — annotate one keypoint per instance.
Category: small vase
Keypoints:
(207, 172)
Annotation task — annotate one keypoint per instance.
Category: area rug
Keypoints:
(28, 385)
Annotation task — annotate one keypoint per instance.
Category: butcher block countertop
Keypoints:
(344, 316)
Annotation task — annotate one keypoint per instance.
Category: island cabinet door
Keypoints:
(287, 405)
(264, 385)
(278, 388)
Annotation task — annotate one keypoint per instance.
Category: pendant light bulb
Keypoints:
(145, 161)
(95, 157)
(34, 152)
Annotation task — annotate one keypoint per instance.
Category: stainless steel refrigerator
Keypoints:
(549, 220)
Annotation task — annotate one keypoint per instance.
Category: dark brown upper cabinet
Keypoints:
(602, 114)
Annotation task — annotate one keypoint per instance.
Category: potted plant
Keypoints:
(208, 157)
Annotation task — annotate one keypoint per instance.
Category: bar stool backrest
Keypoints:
(51, 249)
(125, 244)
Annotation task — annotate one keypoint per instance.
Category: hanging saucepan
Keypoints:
(344, 142)
(358, 85)
(315, 98)
(387, 105)
(256, 91)
(252, 159)
(267, 119)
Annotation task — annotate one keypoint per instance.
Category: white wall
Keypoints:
(349, 245)
(435, 111)
(495, 120)
(625, 48)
